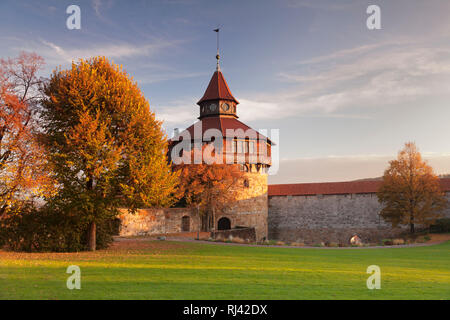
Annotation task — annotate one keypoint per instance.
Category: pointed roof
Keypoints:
(217, 89)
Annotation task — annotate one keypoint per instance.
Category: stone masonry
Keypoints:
(157, 221)
(250, 208)
(313, 219)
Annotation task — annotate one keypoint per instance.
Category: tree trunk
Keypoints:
(92, 241)
(411, 223)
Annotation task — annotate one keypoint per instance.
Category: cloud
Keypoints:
(178, 113)
(96, 4)
(166, 76)
(99, 6)
(323, 5)
(116, 50)
(386, 73)
(345, 168)
(361, 77)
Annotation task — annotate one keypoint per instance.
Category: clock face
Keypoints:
(212, 107)
(225, 107)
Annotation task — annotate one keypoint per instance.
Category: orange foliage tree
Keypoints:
(410, 192)
(209, 187)
(106, 146)
(23, 172)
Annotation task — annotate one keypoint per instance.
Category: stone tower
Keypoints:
(238, 144)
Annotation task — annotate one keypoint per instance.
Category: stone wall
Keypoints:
(249, 210)
(157, 221)
(330, 218)
(251, 206)
(327, 218)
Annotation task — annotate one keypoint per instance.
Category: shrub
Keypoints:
(398, 241)
(333, 244)
(387, 242)
(441, 226)
(43, 229)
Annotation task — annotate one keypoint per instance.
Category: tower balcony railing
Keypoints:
(253, 158)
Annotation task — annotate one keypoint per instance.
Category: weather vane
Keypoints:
(217, 56)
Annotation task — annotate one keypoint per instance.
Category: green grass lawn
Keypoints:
(175, 270)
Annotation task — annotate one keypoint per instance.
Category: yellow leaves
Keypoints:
(101, 127)
(410, 190)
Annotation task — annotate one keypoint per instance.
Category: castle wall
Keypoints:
(157, 221)
(249, 210)
(329, 218)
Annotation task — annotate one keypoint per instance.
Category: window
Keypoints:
(251, 147)
(240, 147)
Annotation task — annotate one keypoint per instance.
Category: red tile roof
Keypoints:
(224, 123)
(217, 89)
(330, 188)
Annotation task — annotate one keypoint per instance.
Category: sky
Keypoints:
(343, 98)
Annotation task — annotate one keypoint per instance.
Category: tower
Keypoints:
(237, 144)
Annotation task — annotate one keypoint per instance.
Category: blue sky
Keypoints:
(344, 97)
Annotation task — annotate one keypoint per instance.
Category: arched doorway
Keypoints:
(185, 224)
(224, 224)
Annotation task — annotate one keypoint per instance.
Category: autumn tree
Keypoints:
(23, 171)
(105, 145)
(410, 192)
(209, 187)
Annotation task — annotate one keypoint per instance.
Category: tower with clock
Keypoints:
(248, 149)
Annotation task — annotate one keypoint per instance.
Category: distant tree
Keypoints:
(23, 171)
(410, 191)
(209, 187)
(106, 147)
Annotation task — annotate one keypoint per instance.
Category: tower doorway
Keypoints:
(224, 224)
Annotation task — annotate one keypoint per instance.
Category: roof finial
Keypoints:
(217, 55)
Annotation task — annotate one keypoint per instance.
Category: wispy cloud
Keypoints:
(99, 7)
(322, 5)
(360, 77)
(345, 168)
(96, 4)
(178, 113)
(166, 76)
(116, 50)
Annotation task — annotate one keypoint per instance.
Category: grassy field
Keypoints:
(182, 270)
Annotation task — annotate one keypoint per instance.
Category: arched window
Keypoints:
(185, 224)
(223, 224)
